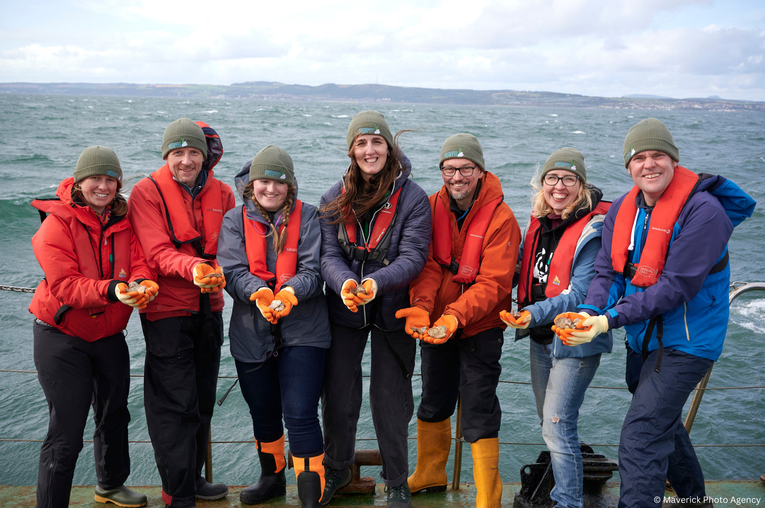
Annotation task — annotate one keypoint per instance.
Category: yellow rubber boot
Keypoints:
(434, 440)
(309, 472)
(488, 484)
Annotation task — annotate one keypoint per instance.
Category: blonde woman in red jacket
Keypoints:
(89, 254)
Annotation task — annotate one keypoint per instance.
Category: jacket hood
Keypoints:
(241, 180)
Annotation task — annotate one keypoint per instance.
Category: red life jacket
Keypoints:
(559, 276)
(663, 219)
(471, 251)
(379, 241)
(178, 222)
(255, 245)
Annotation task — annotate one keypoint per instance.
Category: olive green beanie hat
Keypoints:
(566, 158)
(183, 133)
(97, 160)
(649, 134)
(369, 122)
(272, 163)
(462, 146)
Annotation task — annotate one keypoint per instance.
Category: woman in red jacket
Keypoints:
(89, 254)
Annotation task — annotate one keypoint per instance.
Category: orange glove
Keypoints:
(263, 298)
(450, 322)
(152, 289)
(349, 299)
(131, 298)
(565, 333)
(520, 324)
(287, 297)
(416, 319)
(370, 286)
(208, 283)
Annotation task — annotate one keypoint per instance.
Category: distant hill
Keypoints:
(269, 90)
(645, 96)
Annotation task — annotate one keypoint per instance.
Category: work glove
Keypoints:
(203, 279)
(370, 286)
(519, 324)
(350, 300)
(132, 298)
(450, 322)
(591, 328)
(416, 319)
(263, 298)
(565, 333)
(152, 289)
(287, 297)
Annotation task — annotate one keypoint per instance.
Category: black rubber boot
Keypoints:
(270, 484)
(309, 489)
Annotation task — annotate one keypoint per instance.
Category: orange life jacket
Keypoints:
(178, 223)
(467, 270)
(663, 219)
(255, 246)
(559, 275)
(376, 247)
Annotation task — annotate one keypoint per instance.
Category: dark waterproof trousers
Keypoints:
(654, 445)
(468, 367)
(180, 379)
(74, 375)
(390, 397)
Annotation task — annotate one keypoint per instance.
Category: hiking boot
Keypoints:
(121, 496)
(334, 479)
(399, 497)
(210, 491)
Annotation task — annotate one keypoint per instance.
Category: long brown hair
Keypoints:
(360, 195)
(118, 205)
(280, 240)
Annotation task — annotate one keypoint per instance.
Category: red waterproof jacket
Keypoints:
(174, 266)
(80, 259)
(475, 305)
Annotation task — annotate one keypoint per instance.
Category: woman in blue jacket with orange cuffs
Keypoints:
(557, 258)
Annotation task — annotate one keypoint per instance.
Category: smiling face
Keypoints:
(559, 196)
(652, 171)
(98, 191)
(460, 187)
(185, 164)
(270, 194)
(370, 152)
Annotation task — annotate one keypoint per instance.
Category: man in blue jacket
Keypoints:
(663, 274)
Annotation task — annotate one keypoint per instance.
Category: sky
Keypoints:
(672, 48)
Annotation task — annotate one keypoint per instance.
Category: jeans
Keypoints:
(654, 444)
(559, 385)
(288, 382)
(390, 397)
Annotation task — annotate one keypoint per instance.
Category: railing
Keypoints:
(736, 290)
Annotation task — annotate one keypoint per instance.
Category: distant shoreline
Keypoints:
(269, 90)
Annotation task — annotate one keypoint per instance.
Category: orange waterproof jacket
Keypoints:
(174, 266)
(80, 259)
(475, 305)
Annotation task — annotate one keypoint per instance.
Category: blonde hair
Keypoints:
(280, 240)
(118, 205)
(540, 208)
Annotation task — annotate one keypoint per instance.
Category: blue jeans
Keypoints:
(559, 385)
(289, 383)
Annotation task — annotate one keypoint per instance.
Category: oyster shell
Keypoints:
(422, 330)
(437, 332)
(134, 286)
(358, 290)
(566, 323)
(276, 305)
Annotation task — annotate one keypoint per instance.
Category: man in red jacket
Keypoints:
(176, 214)
(466, 281)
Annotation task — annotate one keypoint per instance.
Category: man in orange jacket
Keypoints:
(177, 213)
(466, 281)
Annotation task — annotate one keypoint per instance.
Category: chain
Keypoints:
(17, 289)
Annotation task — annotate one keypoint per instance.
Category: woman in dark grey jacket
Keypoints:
(376, 229)
(269, 252)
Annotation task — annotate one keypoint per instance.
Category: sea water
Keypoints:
(42, 136)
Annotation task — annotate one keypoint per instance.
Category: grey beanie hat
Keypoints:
(462, 146)
(368, 122)
(183, 133)
(98, 160)
(649, 134)
(272, 163)
(566, 158)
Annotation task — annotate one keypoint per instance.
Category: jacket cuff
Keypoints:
(111, 291)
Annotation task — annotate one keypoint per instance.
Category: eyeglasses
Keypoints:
(568, 180)
(466, 171)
